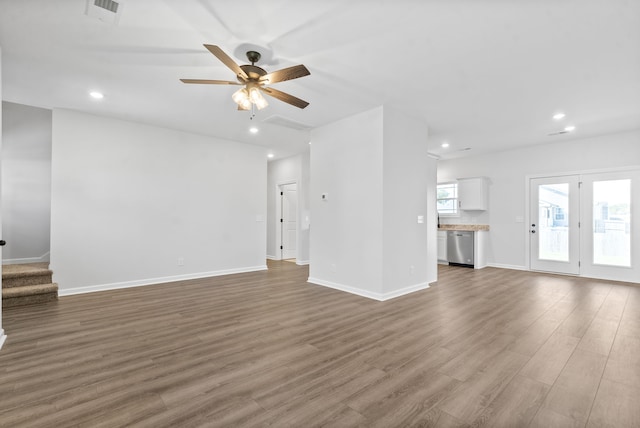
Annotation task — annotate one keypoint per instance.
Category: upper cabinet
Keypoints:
(473, 194)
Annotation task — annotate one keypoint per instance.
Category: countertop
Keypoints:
(465, 227)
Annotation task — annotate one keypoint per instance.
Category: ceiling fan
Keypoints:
(253, 79)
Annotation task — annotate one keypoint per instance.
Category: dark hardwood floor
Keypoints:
(490, 347)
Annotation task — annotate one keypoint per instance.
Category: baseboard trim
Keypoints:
(272, 257)
(341, 287)
(43, 258)
(381, 297)
(503, 266)
(152, 281)
(407, 290)
(3, 338)
(302, 262)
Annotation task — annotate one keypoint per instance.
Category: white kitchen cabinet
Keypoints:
(473, 194)
(442, 246)
(480, 246)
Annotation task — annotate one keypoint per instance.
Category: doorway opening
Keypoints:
(288, 204)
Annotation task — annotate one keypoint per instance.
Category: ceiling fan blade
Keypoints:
(288, 73)
(282, 96)
(210, 82)
(226, 60)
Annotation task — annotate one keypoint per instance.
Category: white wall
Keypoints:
(366, 238)
(507, 170)
(432, 220)
(26, 183)
(129, 200)
(346, 239)
(282, 171)
(406, 180)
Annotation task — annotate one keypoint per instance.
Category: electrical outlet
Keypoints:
(412, 269)
(334, 268)
(180, 261)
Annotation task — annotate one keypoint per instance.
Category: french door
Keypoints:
(610, 235)
(555, 222)
(587, 225)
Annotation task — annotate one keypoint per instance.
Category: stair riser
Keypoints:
(27, 280)
(29, 300)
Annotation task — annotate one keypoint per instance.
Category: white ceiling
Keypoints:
(484, 74)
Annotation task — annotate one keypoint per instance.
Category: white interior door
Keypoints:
(288, 221)
(3, 337)
(610, 233)
(555, 224)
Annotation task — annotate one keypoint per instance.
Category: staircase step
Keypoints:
(29, 294)
(26, 274)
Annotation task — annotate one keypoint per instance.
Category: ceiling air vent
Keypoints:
(105, 10)
(110, 5)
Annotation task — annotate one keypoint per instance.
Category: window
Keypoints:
(447, 198)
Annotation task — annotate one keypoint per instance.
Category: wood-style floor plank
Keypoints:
(623, 365)
(575, 389)
(515, 406)
(546, 364)
(490, 347)
(616, 405)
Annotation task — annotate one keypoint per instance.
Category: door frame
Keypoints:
(572, 266)
(527, 200)
(278, 216)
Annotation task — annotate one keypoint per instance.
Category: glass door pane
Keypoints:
(553, 222)
(612, 222)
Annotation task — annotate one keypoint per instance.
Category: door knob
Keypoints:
(2, 242)
(533, 231)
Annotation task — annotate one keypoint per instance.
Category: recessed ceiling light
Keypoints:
(559, 116)
(253, 130)
(445, 145)
(570, 128)
(270, 155)
(96, 95)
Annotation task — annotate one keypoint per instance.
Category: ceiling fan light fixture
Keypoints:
(241, 96)
(262, 103)
(256, 98)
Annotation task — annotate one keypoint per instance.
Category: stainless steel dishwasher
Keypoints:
(460, 248)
